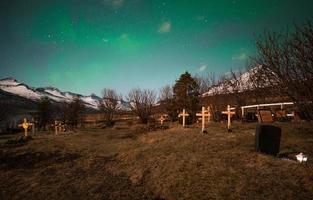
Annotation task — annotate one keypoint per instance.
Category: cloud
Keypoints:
(124, 36)
(241, 56)
(165, 27)
(202, 68)
(115, 4)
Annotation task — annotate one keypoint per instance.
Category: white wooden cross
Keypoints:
(229, 113)
(184, 114)
(162, 119)
(25, 126)
(203, 114)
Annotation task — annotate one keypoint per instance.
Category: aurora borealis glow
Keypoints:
(83, 46)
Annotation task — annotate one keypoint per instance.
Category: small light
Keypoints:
(301, 157)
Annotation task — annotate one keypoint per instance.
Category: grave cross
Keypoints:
(162, 119)
(25, 126)
(203, 114)
(229, 113)
(184, 114)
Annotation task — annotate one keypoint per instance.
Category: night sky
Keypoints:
(83, 46)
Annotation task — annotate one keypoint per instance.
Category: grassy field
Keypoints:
(125, 163)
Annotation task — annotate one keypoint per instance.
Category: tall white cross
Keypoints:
(229, 113)
(184, 114)
(203, 114)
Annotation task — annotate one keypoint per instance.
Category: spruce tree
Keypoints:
(186, 95)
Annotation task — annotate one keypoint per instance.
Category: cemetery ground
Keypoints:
(126, 162)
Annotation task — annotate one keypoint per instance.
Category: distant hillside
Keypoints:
(244, 84)
(23, 98)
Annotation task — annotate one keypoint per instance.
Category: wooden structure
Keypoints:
(25, 125)
(203, 114)
(229, 114)
(162, 119)
(258, 106)
(184, 114)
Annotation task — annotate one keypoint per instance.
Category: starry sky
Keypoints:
(84, 46)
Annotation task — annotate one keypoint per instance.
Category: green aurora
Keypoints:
(84, 46)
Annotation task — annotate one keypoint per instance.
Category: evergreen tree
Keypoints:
(186, 95)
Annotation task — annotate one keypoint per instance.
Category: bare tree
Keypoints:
(109, 104)
(45, 113)
(141, 103)
(72, 112)
(205, 81)
(166, 93)
(215, 97)
(235, 83)
(167, 101)
(286, 62)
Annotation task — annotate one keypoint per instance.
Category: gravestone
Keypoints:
(25, 125)
(162, 119)
(281, 115)
(203, 114)
(267, 139)
(184, 114)
(229, 114)
(265, 116)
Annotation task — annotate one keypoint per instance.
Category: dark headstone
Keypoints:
(267, 139)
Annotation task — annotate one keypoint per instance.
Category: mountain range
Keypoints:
(11, 89)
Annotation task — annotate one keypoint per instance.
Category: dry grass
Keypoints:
(124, 163)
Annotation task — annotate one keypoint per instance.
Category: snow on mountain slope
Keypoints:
(23, 91)
(243, 84)
(54, 92)
(92, 100)
(14, 87)
(8, 82)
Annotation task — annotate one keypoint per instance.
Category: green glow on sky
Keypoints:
(84, 46)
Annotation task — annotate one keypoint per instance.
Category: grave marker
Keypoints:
(203, 114)
(25, 125)
(184, 114)
(267, 139)
(280, 115)
(162, 119)
(265, 116)
(229, 114)
(57, 127)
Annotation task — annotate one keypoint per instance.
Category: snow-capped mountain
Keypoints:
(242, 83)
(12, 86)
